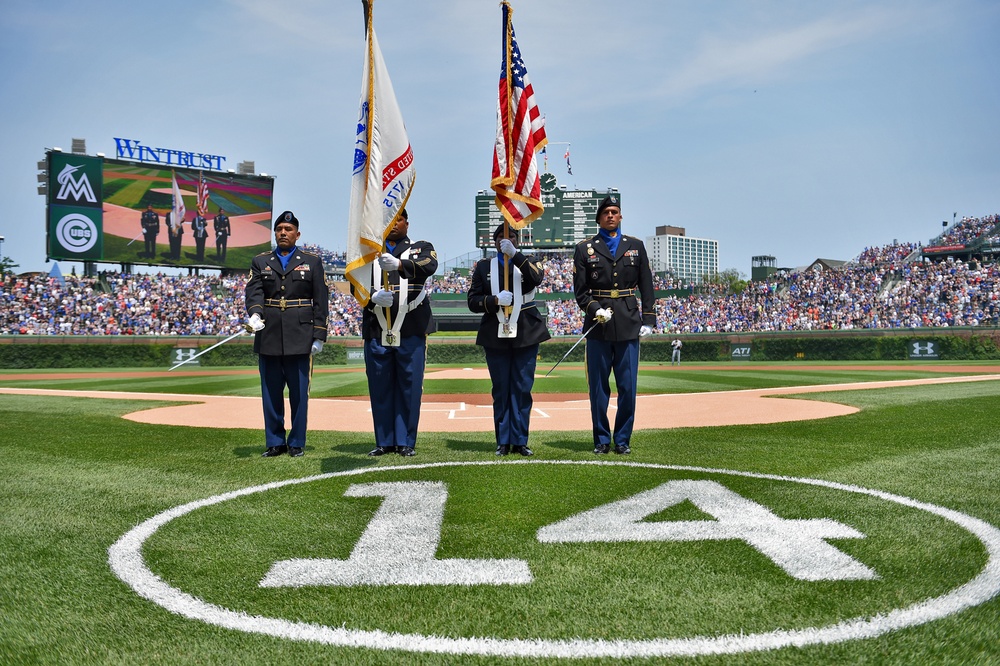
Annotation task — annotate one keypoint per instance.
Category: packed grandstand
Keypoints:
(892, 286)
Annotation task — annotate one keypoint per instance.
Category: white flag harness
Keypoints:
(508, 326)
(390, 335)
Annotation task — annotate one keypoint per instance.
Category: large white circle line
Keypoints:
(126, 560)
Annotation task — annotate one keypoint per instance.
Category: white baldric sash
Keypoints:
(390, 335)
(508, 325)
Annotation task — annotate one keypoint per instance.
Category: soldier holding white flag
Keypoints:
(395, 326)
(397, 315)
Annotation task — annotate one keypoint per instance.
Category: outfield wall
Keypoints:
(971, 343)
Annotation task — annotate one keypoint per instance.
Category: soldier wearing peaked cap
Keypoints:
(510, 332)
(150, 222)
(223, 230)
(288, 301)
(395, 325)
(613, 284)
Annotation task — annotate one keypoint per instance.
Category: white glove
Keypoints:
(387, 262)
(507, 248)
(255, 323)
(316, 348)
(603, 315)
(505, 298)
(382, 298)
(644, 331)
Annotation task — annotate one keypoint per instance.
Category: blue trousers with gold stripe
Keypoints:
(513, 374)
(603, 357)
(395, 386)
(277, 372)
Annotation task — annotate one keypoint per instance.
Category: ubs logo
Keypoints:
(923, 350)
(76, 233)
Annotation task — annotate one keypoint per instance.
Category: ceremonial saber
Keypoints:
(582, 337)
(217, 344)
(134, 239)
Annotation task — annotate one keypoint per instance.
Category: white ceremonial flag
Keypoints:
(383, 170)
(178, 210)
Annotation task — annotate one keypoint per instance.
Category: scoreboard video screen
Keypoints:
(107, 210)
(567, 220)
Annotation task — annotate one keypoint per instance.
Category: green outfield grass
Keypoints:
(77, 477)
(567, 378)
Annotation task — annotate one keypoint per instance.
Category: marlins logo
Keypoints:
(70, 185)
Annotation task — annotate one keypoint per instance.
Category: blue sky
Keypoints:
(795, 129)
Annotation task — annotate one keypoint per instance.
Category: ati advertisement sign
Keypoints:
(923, 350)
(739, 352)
(129, 213)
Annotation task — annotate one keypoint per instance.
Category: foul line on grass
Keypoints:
(127, 562)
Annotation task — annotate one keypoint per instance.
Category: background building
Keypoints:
(672, 251)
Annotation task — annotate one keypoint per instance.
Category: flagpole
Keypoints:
(506, 225)
(367, 5)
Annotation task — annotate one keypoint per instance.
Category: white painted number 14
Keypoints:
(399, 545)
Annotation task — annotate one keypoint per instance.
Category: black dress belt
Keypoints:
(612, 293)
(288, 303)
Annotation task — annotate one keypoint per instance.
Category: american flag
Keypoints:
(520, 134)
(202, 195)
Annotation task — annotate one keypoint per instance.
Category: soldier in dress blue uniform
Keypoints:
(503, 288)
(199, 228)
(222, 230)
(288, 302)
(395, 325)
(150, 229)
(175, 235)
(611, 278)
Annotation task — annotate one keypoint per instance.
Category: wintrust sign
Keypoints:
(132, 149)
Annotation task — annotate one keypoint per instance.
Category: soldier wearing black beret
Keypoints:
(613, 284)
(288, 301)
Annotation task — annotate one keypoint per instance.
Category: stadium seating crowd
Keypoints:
(883, 287)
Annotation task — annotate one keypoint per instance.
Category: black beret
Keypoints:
(610, 200)
(287, 216)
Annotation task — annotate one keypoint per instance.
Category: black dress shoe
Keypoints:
(524, 450)
(503, 450)
(274, 451)
(602, 449)
(382, 450)
(295, 451)
(407, 451)
(623, 449)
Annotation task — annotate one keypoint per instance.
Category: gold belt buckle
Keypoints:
(614, 293)
(282, 303)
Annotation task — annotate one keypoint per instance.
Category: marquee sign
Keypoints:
(132, 149)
